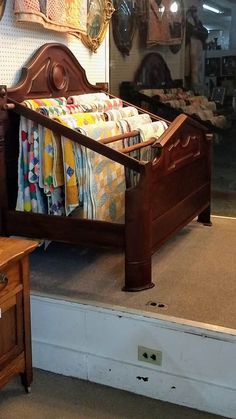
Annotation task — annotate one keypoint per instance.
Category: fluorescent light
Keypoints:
(211, 9)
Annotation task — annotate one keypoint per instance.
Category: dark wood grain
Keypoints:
(15, 331)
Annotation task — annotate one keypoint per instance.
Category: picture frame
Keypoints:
(98, 18)
(218, 95)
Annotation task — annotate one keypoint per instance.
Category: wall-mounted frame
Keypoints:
(98, 18)
(124, 24)
(218, 95)
(2, 7)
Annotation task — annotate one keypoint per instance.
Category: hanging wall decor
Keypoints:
(124, 24)
(165, 22)
(59, 15)
(2, 7)
(98, 18)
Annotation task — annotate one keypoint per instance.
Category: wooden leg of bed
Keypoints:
(138, 234)
(205, 217)
(138, 275)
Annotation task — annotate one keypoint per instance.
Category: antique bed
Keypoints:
(173, 189)
(153, 75)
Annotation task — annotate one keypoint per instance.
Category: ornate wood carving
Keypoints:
(183, 149)
(99, 16)
(59, 77)
(53, 71)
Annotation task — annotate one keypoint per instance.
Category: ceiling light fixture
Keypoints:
(174, 7)
(211, 8)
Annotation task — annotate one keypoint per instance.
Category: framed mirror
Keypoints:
(98, 18)
(124, 24)
(2, 7)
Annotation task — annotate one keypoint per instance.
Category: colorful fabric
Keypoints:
(57, 175)
(52, 111)
(127, 125)
(73, 177)
(96, 102)
(133, 122)
(154, 130)
(34, 172)
(58, 15)
(86, 98)
(30, 196)
(117, 114)
(34, 104)
(79, 119)
(104, 190)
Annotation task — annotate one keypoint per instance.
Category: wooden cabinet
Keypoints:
(15, 332)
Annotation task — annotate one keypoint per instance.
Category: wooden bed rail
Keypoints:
(138, 146)
(118, 137)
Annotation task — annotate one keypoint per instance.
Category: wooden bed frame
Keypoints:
(173, 189)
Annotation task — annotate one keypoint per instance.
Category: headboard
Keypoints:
(53, 71)
(153, 72)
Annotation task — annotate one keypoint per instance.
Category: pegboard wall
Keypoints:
(19, 42)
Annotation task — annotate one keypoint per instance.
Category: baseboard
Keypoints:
(101, 345)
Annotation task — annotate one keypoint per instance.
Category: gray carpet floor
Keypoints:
(224, 175)
(194, 275)
(57, 397)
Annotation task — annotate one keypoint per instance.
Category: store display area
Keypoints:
(85, 326)
(193, 275)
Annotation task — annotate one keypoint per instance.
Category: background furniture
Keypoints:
(15, 332)
(154, 73)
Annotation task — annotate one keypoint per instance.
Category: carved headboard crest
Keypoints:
(53, 71)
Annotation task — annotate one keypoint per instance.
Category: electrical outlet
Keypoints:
(149, 355)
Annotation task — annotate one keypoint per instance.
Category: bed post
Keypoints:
(138, 237)
(3, 188)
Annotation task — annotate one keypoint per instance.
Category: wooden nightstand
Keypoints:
(15, 331)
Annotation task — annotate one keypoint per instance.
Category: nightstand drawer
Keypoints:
(10, 278)
(15, 333)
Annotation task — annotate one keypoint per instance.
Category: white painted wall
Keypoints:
(20, 41)
(101, 345)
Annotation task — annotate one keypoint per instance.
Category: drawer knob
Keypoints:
(3, 279)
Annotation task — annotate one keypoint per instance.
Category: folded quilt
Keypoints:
(57, 15)
(86, 98)
(72, 159)
(57, 175)
(117, 114)
(105, 179)
(52, 111)
(93, 102)
(36, 103)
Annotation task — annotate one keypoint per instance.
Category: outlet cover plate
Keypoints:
(152, 356)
